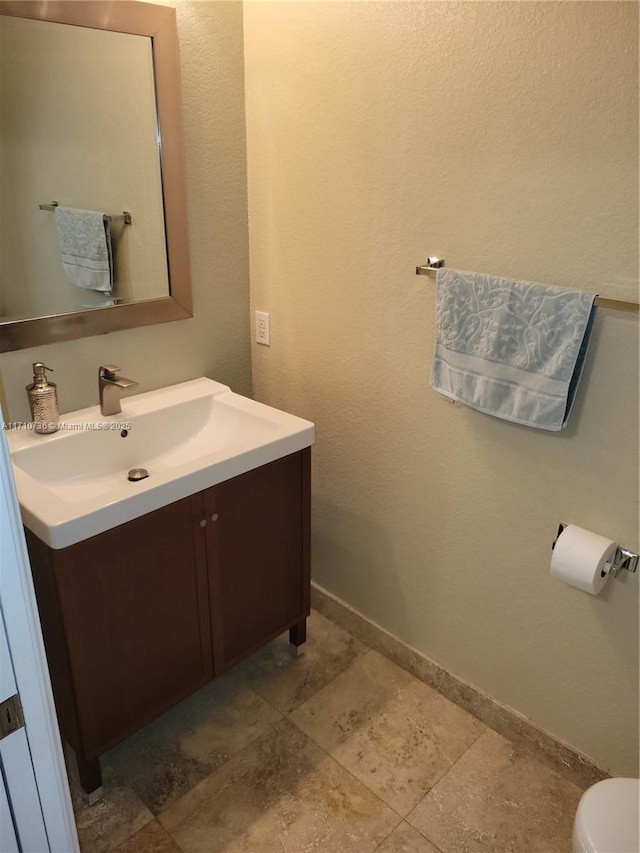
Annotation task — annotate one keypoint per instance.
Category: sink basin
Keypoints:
(73, 484)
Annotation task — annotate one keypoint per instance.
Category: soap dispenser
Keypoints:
(43, 400)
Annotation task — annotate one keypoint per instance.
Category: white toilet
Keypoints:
(608, 819)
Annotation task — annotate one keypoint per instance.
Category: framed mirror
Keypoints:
(90, 126)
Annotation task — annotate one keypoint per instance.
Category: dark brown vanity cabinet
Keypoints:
(139, 617)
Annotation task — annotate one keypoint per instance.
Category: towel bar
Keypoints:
(434, 264)
(125, 216)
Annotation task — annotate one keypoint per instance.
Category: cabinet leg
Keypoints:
(90, 775)
(298, 633)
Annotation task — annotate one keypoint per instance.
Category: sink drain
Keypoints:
(136, 474)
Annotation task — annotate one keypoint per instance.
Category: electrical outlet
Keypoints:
(262, 328)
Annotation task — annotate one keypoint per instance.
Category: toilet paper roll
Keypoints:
(579, 557)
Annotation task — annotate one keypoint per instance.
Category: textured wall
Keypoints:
(216, 341)
(502, 136)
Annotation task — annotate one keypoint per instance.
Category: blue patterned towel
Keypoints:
(513, 349)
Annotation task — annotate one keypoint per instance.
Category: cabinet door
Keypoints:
(258, 555)
(134, 609)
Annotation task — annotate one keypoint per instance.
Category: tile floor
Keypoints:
(337, 750)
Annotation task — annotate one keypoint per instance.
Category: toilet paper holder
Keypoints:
(623, 558)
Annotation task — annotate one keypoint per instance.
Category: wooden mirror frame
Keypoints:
(159, 24)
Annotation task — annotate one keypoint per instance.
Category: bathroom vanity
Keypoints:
(137, 618)
(143, 613)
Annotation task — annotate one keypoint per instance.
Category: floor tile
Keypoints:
(281, 794)
(152, 838)
(115, 817)
(287, 681)
(224, 772)
(498, 799)
(406, 839)
(395, 734)
(174, 753)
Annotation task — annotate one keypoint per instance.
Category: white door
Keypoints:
(8, 837)
(19, 781)
(35, 806)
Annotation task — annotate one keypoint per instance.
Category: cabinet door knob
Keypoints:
(203, 523)
(214, 517)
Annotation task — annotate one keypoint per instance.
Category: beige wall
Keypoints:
(216, 341)
(502, 136)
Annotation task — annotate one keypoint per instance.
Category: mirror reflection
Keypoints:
(78, 133)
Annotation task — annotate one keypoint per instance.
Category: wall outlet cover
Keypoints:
(263, 335)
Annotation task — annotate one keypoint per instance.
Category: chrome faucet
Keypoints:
(110, 386)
